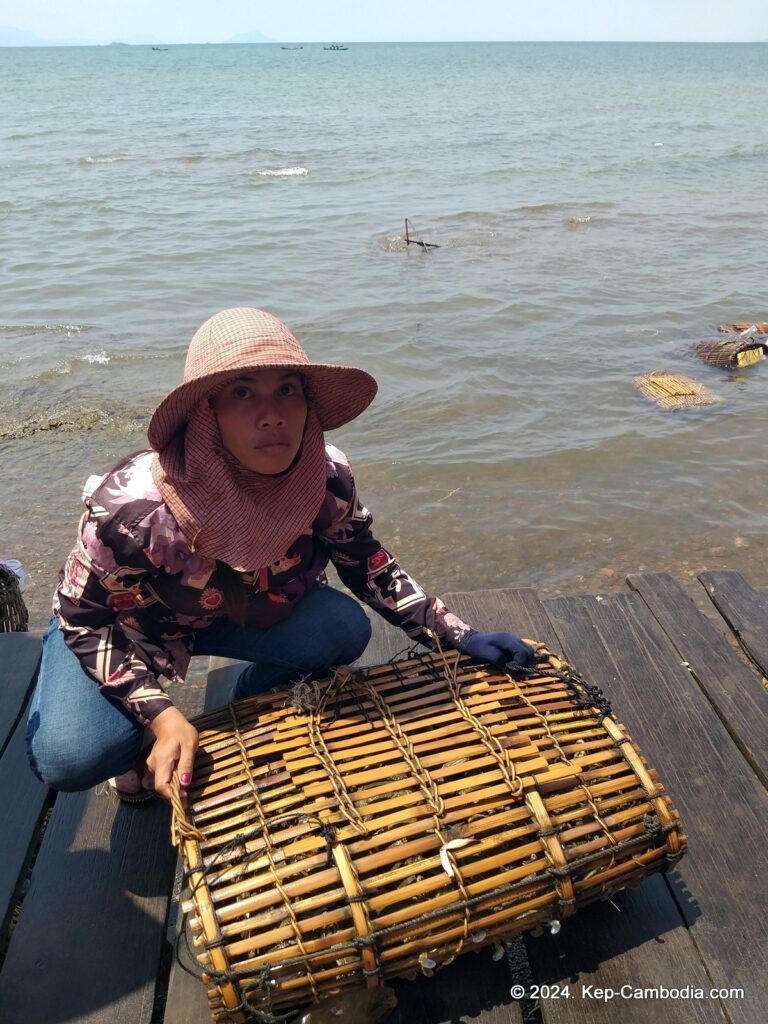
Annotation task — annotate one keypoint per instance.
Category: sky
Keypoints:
(213, 21)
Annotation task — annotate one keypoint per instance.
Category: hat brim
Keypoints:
(338, 395)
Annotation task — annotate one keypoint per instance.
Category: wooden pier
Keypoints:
(88, 888)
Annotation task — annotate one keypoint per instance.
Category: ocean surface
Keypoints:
(598, 208)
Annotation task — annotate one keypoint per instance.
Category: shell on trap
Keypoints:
(674, 391)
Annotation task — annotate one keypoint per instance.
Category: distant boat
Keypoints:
(291, 47)
(336, 46)
(162, 49)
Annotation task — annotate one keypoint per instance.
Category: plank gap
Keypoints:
(24, 879)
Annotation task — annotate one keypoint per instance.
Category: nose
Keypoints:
(269, 415)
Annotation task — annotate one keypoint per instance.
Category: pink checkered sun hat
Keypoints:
(250, 339)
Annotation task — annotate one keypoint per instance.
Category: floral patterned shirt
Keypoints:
(132, 594)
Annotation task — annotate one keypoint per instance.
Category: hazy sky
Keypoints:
(182, 21)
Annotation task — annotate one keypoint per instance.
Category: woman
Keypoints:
(215, 542)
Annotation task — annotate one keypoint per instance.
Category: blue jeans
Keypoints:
(77, 737)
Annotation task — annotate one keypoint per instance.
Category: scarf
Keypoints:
(230, 513)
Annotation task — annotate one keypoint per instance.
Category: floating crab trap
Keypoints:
(728, 355)
(745, 327)
(674, 391)
(379, 823)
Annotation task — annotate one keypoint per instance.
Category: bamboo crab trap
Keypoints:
(379, 823)
(745, 327)
(734, 354)
(674, 391)
(14, 617)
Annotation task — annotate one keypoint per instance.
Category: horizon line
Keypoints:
(368, 42)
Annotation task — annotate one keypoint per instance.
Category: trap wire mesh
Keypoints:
(381, 822)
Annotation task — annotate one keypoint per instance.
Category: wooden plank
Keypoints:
(637, 939)
(22, 796)
(22, 806)
(472, 988)
(735, 690)
(513, 611)
(718, 884)
(744, 609)
(19, 656)
(89, 939)
(600, 945)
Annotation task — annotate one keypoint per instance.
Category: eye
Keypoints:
(241, 391)
(287, 388)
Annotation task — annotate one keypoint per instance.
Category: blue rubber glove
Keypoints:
(497, 648)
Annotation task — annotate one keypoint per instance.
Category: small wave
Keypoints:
(595, 205)
(755, 151)
(541, 208)
(577, 222)
(283, 172)
(97, 357)
(24, 330)
(102, 159)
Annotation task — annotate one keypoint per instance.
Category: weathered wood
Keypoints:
(513, 611)
(22, 796)
(718, 884)
(22, 806)
(88, 942)
(736, 691)
(473, 988)
(623, 942)
(19, 657)
(639, 937)
(744, 609)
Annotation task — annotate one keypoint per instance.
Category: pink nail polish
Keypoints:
(186, 778)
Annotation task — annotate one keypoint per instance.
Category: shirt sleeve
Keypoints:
(99, 594)
(374, 575)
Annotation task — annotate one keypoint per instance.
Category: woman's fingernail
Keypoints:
(186, 778)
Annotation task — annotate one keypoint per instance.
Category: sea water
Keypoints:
(597, 207)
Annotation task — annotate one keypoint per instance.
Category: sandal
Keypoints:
(134, 786)
(129, 788)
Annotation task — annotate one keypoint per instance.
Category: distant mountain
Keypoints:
(250, 37)
(10, 36)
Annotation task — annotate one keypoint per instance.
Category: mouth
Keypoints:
(273, 448)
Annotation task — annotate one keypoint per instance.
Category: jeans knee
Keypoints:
(357, 633)
(69, 766)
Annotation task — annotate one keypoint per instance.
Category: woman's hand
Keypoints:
(498, 648)
(174, 747)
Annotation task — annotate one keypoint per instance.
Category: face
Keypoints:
(261, 418)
